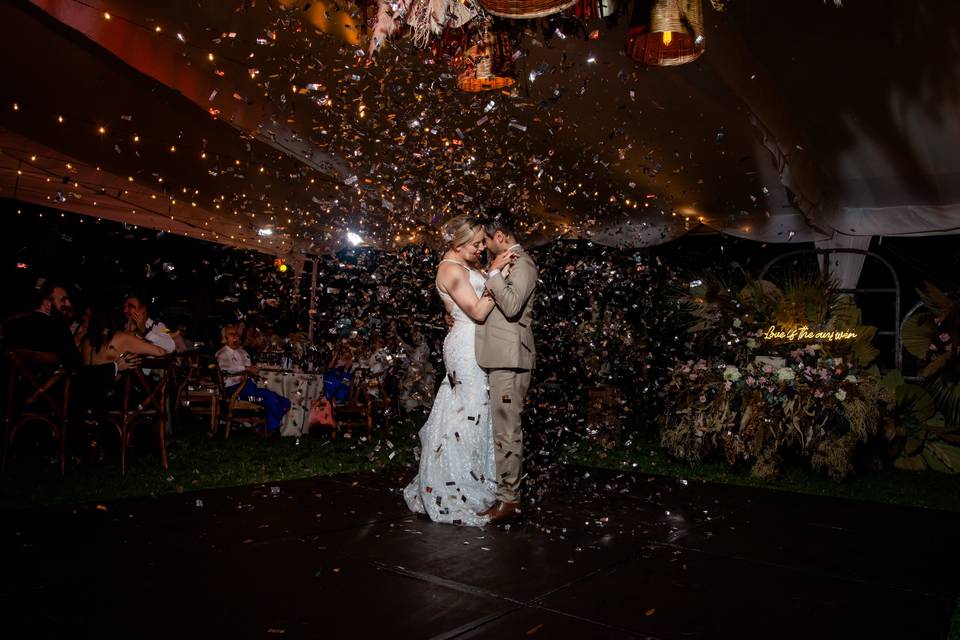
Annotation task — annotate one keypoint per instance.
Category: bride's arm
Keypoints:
(457, 285)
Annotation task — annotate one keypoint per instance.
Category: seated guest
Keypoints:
(45, 328)
(107, 340)
(140, 323)
(234, 361)
(107, 343)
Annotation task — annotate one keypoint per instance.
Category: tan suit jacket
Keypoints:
(505, 340)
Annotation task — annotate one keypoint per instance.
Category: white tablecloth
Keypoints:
(300, 388)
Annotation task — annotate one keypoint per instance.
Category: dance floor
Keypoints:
(604, 556)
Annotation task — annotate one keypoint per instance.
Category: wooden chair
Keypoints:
(232, 406)
(380, 402)
(38, 390)
(355, 411)
(144, 402)
(197, 389)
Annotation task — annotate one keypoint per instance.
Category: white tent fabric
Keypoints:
(844, 267)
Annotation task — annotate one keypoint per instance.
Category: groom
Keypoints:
(505, 349)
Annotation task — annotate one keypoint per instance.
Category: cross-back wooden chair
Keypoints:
(355, 411)
(233, 407)
(38, 390)
(197, 389)
(379, 400)
(144, 402)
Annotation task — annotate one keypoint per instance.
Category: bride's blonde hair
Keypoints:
(460, 230)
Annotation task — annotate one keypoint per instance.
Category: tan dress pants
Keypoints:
(508, 388)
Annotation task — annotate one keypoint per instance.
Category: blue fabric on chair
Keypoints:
(336, 384)
(275, 406)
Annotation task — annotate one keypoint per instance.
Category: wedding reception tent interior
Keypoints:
(744, 216)
(229, 121)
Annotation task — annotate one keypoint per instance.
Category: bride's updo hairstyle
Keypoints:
(460, 230)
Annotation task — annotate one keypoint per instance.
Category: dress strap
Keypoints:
(457, 263)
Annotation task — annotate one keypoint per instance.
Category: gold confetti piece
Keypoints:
(534, 630)
(650, 612)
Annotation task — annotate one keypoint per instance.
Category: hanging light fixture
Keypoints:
(486, 64)
(525, 9)
(666, 32)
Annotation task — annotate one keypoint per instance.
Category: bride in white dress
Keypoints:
(457, 476)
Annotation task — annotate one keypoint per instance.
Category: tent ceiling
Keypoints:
(801, 120)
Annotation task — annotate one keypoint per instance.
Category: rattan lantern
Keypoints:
(666, 32)
(486, 64)
(525, 9)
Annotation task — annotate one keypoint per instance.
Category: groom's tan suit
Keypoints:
(505, 349)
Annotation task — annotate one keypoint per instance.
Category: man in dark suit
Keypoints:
(45, 328)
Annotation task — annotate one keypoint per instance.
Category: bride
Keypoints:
(457, 477)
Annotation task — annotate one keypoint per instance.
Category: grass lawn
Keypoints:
(925, 489)
(196, 462)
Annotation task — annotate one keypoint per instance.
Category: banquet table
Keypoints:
(300, 388)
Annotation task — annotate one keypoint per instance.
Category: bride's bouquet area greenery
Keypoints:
(785, 374)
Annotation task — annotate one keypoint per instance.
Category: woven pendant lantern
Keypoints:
(525, 9)
(666, 32)
(486, 63)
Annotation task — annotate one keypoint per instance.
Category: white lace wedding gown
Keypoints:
(457, 477)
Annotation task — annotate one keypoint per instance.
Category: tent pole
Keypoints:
(312, 307)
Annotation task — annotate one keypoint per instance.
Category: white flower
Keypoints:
(737, 323)
(785, 374)
(731, 373)
(841, 395)
(751, 343)
(850, 378)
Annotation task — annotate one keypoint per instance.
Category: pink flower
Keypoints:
(818, 394)
(944, 337)
(762, 381)
(703, 398)
(750, 381)
(727, 385)
(933, 347)
(767, 368)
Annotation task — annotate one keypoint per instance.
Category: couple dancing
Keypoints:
(471, 445)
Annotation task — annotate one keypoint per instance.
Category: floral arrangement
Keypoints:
(761, 401)
(927, 415)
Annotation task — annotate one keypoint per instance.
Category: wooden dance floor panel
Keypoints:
(602, 555)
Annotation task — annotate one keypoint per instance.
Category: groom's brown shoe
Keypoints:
(489, 511)
(501, 511)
